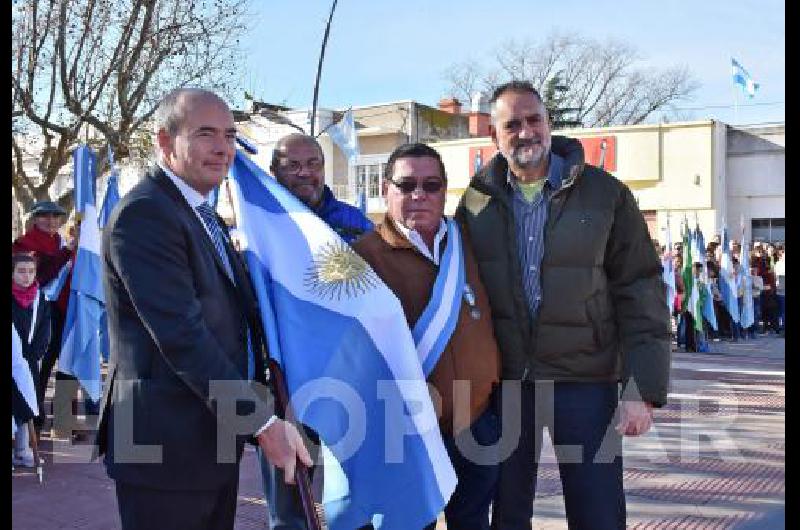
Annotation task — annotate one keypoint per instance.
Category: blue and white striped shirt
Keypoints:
(530, 219)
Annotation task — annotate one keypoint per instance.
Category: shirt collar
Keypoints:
(192, 196)
(415, 239)
(554, 172)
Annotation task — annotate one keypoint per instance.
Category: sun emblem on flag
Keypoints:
(337, 271)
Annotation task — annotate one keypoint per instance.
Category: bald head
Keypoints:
(298, 163)
(196, 137)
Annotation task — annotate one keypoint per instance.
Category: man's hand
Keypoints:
(635, 418)
(282, 445)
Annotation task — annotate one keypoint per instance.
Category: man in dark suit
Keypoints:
(183, 391)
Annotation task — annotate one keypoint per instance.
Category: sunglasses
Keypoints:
(409, 185)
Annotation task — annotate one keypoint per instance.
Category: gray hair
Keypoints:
(169, 114)
(511, 86)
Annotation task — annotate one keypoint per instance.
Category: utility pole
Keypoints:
(319, 68)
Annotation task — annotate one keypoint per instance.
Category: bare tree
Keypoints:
(602, 83)
(102, 66)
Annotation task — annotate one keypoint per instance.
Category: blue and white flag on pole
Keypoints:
(727, 280)
(742, 78)
(53, 289)
(349, 358)
(668, 270)
(344, 135)
(21, 372)
(110, 200)
(708, 303)
(80, 349)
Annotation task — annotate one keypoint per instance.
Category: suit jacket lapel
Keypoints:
(157, 174)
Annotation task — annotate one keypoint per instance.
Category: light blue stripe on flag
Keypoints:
(80, 348)
(53, 289)
(743, 78)
(350, 362)
(727, 282)
(435, 326)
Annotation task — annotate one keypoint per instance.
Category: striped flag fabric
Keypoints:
(743, 78)
(357, 373)
(80, 348)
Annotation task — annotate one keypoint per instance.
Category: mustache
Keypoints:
(527, 143)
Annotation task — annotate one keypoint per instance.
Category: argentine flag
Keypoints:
(742, 78)
(708, 299)
(80, 349)
(344, 135)
(110, 200)
(350, 361)
(727, 281)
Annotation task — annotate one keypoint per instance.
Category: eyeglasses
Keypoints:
(407, 186)
(294, 167)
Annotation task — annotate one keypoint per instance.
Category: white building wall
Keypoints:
(756, 172)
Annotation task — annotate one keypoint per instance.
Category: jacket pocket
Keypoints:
(600, 315)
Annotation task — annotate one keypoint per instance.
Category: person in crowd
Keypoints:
(758, 286)
(578, 305)
(407, 251)
(183, 321)
(30, 317)
(780, 289)
(52, 253)
(298, 163)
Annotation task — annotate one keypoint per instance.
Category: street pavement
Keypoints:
(714, 458)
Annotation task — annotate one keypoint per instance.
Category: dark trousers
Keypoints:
(580, 418)
(468, 508)
(143, 508)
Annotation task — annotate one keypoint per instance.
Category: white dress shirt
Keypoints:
(415, 239)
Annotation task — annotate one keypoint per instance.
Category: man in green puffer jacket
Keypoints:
(579, 310)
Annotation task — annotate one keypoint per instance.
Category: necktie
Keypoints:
(210, 219)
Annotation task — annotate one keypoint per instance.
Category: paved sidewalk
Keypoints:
(714, 459)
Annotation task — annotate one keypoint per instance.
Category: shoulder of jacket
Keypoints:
(474, 201)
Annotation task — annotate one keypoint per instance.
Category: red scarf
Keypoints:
(40, 241)
(24, 296)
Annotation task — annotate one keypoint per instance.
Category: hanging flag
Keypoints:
(110, 199)
(727, 280)
(80, 349)
(742, 78)
(357, 371)
(691, 301)
(708, 299)
(344, 135)
(747, 316)
(21, 374)
(668, 270)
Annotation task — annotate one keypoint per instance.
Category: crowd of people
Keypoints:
(758, 271)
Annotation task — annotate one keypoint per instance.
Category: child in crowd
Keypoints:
(30, 317)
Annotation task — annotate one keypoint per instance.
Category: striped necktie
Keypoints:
(210, 219)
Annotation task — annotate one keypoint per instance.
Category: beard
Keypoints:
(529, 159)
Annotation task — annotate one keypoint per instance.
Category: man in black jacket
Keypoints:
(578, 307)
(185, 361)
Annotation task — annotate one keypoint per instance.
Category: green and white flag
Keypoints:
(691, 301)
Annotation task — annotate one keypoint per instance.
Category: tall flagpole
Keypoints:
(319, 68)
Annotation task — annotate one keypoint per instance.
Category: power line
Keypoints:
(770, 103)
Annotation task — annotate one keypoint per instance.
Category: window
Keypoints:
(770, 230)
(370, 176)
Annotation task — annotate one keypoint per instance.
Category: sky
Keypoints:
(388, 50)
